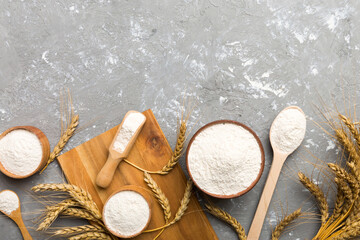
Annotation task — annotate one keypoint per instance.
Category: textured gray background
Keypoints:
(241, 60)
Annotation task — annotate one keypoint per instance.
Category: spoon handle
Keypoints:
(106, 174)
(26, 235)
(258, 220)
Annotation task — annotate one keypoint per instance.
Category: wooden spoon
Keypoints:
(45, 150)
(17, 218)
(106, 174)
(278, 161)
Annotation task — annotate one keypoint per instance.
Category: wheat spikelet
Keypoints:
(91, 235)
(65, 137)
(350, 125)
(319, 196)
(177, 151)
(77, 230)
(284, 223)
(348, 145)
(160, 196)
(53, 213)
(222, 215)
(353, 230)
(80, 195)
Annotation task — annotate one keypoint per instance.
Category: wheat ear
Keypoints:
(65, 137)
(318, 194)
(182, 209)
(160, 196)
(178, 151)
(350, 125)
(77, 230)
(284, 223)
(222, 215)
(54, 212)
(80, 195)
(80, 213)
(348, 145)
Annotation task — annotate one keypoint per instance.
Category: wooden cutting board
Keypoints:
(151, 152)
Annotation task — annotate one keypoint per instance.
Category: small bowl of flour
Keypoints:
(225, 159)
(127, 212)
(24, 150)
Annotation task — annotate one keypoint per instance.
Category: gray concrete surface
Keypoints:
(238, 59)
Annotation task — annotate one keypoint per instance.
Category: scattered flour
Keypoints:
(131, 123)
(288, 130)
(126, 213)
(224, 159)
(9, 202)
(20, 152)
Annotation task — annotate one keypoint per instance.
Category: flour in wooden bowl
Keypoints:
(126, 213)
(224, 159)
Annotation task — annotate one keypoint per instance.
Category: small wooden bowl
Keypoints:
(45, 150)
(262, 158)
(138, 190)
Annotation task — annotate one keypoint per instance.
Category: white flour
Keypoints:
(131, 123)
(224, 159)
(20, 152)
(126, 213)
(9, 202)
(288, 130)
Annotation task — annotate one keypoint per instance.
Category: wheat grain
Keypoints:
(80, 195)
(160, 196)
(319, 196)
(284, 223)
(222, 215)
(65, 137)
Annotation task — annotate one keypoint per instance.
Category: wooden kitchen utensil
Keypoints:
(277, 163)
(106, 174)
(17, 218)
(151, 151)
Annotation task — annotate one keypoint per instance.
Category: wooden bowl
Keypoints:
(138, 190)
(262, 158)
(45, 150)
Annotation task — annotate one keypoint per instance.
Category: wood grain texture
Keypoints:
(151, 151)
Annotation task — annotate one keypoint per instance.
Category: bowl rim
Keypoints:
(261, 150)
(135, 188)
(45, 146)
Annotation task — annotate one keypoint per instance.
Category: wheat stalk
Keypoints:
(160, 196)
(284, 223)
(65, 137)
(222, 215)
(80, 195)
(318, 194)
(77, 230)
(92, 235)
